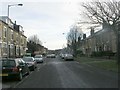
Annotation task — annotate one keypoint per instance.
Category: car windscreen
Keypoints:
(28, 59)
(7, 63)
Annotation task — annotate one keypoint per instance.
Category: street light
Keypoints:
(8, 53)
(13, 5)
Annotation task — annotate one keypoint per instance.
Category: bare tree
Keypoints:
(73, 38)
(35, 39)
(33, 44)
(107, 14)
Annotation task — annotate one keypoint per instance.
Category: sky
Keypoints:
(48, 19)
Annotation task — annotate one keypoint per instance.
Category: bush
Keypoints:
(79, 53)
(102, 53)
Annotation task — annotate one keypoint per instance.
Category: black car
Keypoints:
(13, 68)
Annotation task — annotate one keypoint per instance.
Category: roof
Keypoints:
(13, 28)
(98, 33)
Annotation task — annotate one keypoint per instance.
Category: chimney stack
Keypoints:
(15, 22)
(92, 31)
(84, 36)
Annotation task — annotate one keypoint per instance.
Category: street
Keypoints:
(57, 73)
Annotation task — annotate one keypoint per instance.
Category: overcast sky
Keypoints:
(48, 19)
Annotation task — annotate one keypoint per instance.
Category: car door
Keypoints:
(22, 66)
(34, 61)
(26, 67)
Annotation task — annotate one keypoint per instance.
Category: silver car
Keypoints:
(38, 58)
(32, 64)
(68, 57)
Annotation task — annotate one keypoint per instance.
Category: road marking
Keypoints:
(77, 62)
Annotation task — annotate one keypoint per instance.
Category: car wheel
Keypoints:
(20, 76)
(28, 72)
(33, 68)
(36, 66)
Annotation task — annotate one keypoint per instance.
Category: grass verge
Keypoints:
(100, 63)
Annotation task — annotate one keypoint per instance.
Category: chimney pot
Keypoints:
(15, 22)
(92, 31)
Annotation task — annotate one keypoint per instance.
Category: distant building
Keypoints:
(13, 42)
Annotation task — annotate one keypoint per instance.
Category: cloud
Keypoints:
(73, 1)
(46, 19)
(58, 44)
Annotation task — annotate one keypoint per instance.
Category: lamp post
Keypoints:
(8, 50)
(13, 5)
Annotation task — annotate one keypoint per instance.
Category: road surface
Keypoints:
(57, 73)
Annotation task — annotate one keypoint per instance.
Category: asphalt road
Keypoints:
(57, 73)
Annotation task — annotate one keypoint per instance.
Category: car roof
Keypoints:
(7, 58)
(16, 60)
(38, 55)
(27, 57)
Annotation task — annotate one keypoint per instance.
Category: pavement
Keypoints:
(57, 73)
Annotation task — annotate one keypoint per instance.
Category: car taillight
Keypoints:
(15, 69)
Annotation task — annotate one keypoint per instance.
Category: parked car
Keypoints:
(51, 56)
(39, 58)
(68, 57)
(13, 68)
(48, 56)
(32, 64)
(62, 56)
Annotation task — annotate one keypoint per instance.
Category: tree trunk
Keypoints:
(116, 30)
(118, 46)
